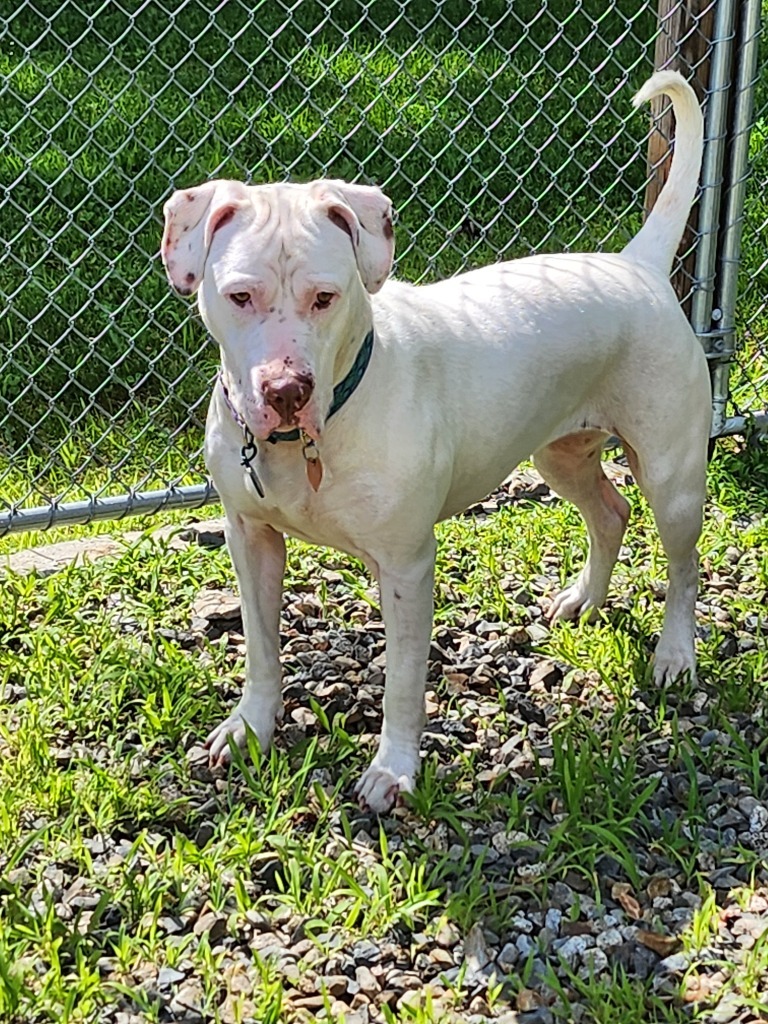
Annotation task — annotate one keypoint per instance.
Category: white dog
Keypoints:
(356, 412)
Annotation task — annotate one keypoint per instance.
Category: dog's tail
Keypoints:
(659, 237)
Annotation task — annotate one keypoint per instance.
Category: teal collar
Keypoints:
(341, 392)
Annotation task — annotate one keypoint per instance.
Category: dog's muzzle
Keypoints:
(288, 394)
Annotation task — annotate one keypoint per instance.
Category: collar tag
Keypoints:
(312, 459)
(248, 453)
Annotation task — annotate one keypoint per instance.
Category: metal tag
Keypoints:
(248, 453)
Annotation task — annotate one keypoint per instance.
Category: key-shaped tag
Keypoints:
(255, 480)
(248, 453)
(312, 459)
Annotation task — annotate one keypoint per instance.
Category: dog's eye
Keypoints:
(323, 300)
(240, 298)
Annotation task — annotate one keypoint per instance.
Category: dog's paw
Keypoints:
(575, 601)
(235, 727)
(379, 789)
(673, 665)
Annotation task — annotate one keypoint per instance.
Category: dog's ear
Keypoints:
(365, 214)
(192, 216)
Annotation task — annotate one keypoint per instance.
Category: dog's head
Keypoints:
(283, 275)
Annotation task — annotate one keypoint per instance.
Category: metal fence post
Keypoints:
(726, 291)
(712, 176)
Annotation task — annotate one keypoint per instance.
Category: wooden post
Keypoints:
(684, 43)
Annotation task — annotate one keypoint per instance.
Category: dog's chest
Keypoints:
(334, 514)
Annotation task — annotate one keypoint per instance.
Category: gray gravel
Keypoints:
(558, 927)
(562, 926)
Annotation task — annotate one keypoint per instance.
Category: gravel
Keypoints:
(562, 924)
(559, 927)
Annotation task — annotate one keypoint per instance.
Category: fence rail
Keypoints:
(497, 129)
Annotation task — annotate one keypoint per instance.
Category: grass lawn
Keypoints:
(123, 858)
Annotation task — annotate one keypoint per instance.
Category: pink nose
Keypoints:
(287, 395)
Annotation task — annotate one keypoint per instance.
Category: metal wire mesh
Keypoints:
(749, 376)
(497, 129)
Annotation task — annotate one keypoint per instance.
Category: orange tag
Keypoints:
(314, 473)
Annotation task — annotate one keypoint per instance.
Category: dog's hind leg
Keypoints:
(674, 482)
(572, 467)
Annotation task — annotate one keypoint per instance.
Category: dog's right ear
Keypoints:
(192, 216)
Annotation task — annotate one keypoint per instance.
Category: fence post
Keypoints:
(729, 250)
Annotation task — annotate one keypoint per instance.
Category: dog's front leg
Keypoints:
(407, 606)
(258, 555)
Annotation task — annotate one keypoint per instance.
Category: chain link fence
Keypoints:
(497, 129)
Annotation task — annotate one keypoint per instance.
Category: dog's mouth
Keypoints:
(307, 420)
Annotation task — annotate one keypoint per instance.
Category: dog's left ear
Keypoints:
(365, 214)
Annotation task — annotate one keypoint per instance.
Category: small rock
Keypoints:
(170, 925)
(573, 948)
(259, 921)
(417, 992)
(442, 958)
(520, 923)
(546, 675)
(562, 895)
(749, 924)
(552, 920)
(478, 1007)
(593, 962)
(357, 1015)
(537, 632)
(204, 834)
(539, 1016)
(528, 1000)
(188, 997)
(476, 952)
(447, 935)
(644, 961)
(728, 1009)
(168, 976)
(366, 952)
(611, 938)
(336, 984)
(369, 986)
(501, 844)
(747, 805)
(304, 717)
(659, 886)
(211, 924)
(508, 956)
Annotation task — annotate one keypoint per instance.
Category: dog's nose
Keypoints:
(286, 395)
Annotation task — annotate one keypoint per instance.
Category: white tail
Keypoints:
(659, 237)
